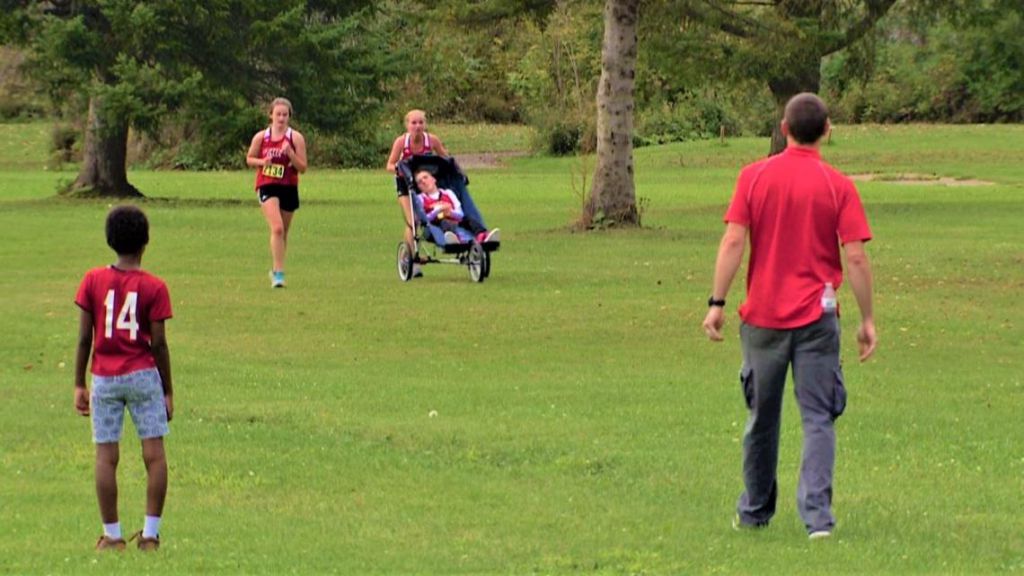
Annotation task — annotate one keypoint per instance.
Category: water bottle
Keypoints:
(828, 298)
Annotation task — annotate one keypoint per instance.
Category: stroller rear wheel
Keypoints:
(476, 261)
(405, 262)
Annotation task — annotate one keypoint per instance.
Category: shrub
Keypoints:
(348, 150)
(740, 109)
(17, 98)
(64, 141)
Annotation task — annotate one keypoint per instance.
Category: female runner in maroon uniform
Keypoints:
(279, 154)
(415, 142)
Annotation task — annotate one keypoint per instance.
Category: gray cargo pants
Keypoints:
(813, 351)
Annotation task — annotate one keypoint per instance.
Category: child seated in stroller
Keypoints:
(444, 210)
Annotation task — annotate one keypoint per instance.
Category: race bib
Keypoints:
(274, 170)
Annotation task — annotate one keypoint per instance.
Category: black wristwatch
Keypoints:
(712, 302)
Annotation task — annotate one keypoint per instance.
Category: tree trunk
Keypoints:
(806, 78)
(612, 199)
(104, 171)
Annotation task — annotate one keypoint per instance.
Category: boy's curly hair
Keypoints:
(127, 230)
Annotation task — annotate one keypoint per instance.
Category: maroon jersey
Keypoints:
(280, 170)
(122, 304)
(407, 151)
(444, 197)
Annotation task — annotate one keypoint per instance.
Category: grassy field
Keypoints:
(584, 425)
(481, 138)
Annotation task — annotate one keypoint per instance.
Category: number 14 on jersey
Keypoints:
(127, 318)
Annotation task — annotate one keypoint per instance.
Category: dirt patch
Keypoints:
(919, 179)
(487, 159)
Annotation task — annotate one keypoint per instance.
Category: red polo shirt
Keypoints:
(798, 210)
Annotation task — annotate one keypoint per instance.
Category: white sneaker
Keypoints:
(493, 236)
(820, 535)
(417, 271)
(451, 238)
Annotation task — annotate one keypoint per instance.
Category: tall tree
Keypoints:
(784, 41)
(612, 200)
(136, 61)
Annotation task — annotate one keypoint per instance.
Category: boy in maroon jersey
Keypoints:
(123, 310)
(444, 209)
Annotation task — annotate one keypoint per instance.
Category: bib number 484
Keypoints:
(127, 318)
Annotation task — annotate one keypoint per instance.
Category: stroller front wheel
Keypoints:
(405, 262)
(476, 262)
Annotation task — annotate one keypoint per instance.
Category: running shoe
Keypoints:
(277, 279)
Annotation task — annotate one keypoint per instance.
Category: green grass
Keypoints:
(584, 424)
(479, 138)
(28, 146)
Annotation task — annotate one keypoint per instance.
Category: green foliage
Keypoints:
(739, 109)
(329, 59)
(216, 128)
(994, 66)
(215, 66)
(556, 78)
(352, 68)
(489, 12)
(457, 56)
(367, 148)
(774, 42)
(939, 69)
(65, 144)
(18, 98)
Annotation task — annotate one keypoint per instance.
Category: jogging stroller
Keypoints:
(474, 255)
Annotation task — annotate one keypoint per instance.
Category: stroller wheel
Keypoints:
(404, 260)
(487, 264)
(476, 262)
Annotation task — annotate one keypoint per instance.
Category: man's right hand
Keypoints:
(867, 339)
(713, 323)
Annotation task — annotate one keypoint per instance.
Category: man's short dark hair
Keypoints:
(127, 230)
(807, 117)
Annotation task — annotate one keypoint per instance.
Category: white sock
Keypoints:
(112, 530)
(152, 527)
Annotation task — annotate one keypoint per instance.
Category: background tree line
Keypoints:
(189, 79)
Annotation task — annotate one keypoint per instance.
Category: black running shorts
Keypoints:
(287, 195)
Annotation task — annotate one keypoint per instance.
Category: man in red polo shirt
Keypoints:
(797, 211)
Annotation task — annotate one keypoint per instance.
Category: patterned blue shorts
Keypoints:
(141, 392)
